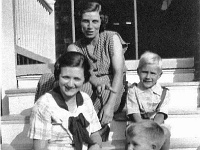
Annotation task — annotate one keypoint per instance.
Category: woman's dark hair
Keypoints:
(91, 6)
(72, 59)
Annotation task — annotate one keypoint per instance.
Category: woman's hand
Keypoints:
(102, 87)
(106, 114)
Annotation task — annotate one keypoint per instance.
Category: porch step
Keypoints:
(28, 81)
(120, 145)
(185, 131)
(184, 98)
(20, 101)
(184, 73)
(14, 129)
(184, 119)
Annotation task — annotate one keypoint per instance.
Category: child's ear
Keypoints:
(154, 146)
(161, 73)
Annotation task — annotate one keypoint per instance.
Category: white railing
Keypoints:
(34, 29)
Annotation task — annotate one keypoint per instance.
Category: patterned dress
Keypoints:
(101, 67)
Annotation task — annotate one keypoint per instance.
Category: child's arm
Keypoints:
(133, 111)
(135, 117)
(162, 114)
(159, 118)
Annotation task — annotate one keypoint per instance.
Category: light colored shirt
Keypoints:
(139, 100)
(58, 135)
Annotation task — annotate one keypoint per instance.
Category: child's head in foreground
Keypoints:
(149, 69)
(144, 135)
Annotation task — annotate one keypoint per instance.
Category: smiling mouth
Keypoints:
(147, 81)
(89, 32)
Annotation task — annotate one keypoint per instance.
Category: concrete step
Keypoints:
(20, 101)
(184, 99)
(185, 130)
(29, 81)
(174, 70)
(14, 129)
(120, 145)
(182, 126)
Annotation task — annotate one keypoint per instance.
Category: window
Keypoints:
(167, 27)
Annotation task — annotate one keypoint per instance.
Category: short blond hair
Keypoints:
(153, 132)
(150, 58)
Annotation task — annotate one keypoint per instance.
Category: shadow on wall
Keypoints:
(5, 106)
(22, 141)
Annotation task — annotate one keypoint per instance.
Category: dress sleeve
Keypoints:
(40, 120)
(111, 44)
(165, 105)
(94, 120)
(132, 104)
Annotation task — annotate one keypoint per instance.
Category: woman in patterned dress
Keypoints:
(105, 52)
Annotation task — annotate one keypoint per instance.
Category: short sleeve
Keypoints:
(91, 113)
(132, 104)
(95, 124)
(165, 105)
(40, 121)
(111, 43)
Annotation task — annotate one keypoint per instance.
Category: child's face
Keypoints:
(149, 74)
(139, 142)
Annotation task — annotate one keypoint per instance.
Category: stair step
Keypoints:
(176, 144)
(114, 145)
(17, 147)
(29, 81)
(14, 129)
(184, 128)
(178, 124)
(184, 99)
(20, 101)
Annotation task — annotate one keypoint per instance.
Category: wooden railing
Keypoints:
(32, 23)
(34, 33)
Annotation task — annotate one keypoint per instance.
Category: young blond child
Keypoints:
(147, 99)
(144, 135)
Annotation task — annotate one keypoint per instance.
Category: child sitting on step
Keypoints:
(144, 135)
(147, 99)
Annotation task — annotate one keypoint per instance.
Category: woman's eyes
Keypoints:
(93, 21)
(85, 21)
(67, 78)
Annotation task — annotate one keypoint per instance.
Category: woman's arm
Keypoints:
(39, 144)
(117, 60)
(96, 138)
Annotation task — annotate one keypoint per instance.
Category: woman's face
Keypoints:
(90, 24)
(71, 80)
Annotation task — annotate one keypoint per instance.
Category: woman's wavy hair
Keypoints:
(72, 59)
(91, 6)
